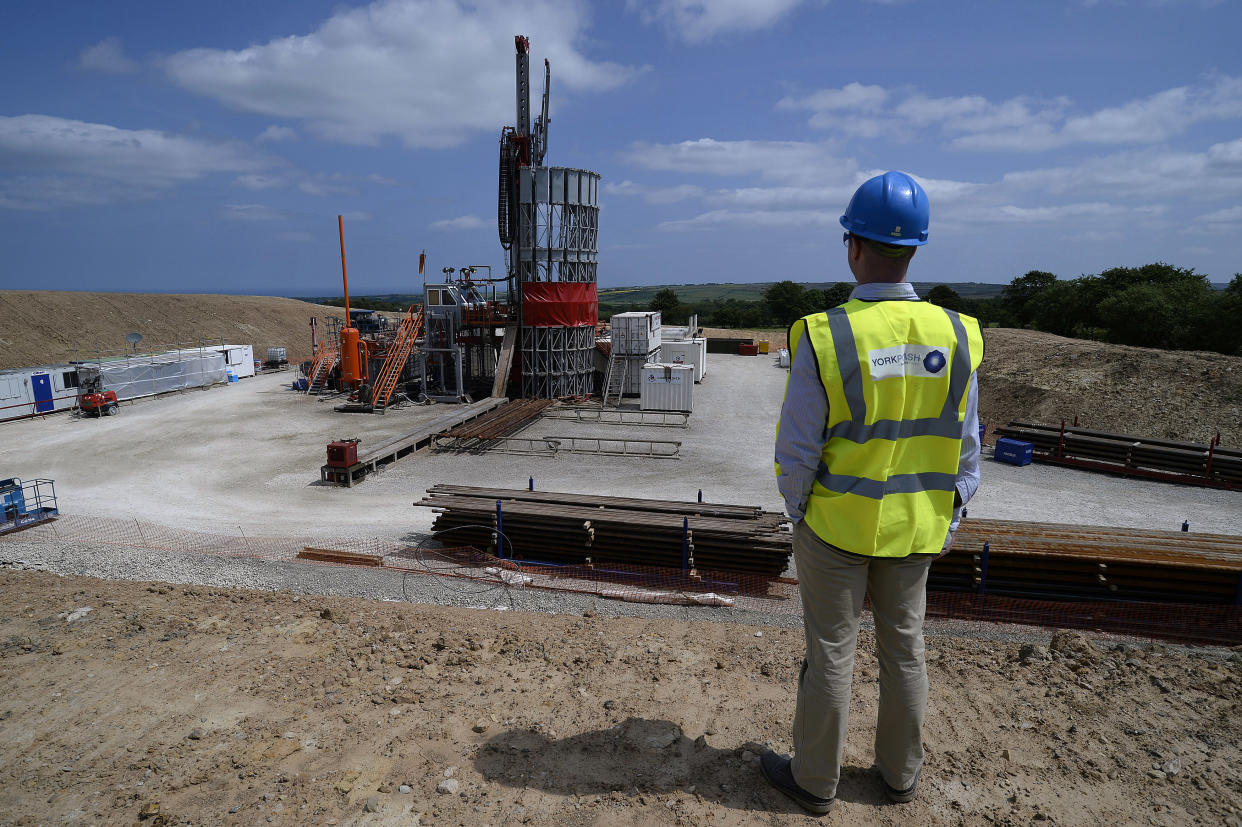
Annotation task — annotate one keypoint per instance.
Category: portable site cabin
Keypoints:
(238, 359)
(33, 391)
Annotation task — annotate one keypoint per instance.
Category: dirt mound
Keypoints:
(39, 327)
(1033, 376)
(188, 704)
(1038, 377)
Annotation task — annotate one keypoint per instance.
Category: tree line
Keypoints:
(1155, 305)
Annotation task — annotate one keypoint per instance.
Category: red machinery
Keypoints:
(96, 401)
(343, 453)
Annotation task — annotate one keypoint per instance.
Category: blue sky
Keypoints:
(195, 147)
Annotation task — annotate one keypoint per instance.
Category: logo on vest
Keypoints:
(934, 362)
(927, 361)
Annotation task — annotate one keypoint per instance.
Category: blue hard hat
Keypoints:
(891, 208)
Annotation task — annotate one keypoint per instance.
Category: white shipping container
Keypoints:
(636, 334)
(634, 373)
(701, 364)
(667, 388)
(684, 353)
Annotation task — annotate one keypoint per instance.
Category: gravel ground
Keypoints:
(252, 467)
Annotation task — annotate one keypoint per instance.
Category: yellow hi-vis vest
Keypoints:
(896, 374)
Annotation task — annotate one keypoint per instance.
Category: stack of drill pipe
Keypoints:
(505, 420)
(1048, 560)
(1130, 451)
(743, 512)
(570, 528)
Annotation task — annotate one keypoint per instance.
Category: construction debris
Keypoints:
(350, 558)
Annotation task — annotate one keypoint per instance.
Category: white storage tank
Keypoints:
(666, 387)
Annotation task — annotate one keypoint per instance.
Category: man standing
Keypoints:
(876, 452)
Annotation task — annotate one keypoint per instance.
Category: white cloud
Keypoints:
(317, 184)
(1226, 155)
(1013, 214)
(852, 96)
(92, 163)
(257, 183)
(1024, 123)
(792, 161)
(465, 222)
(654, 195)
(1097, 236)
(429, 72)
(1227, 221)
(251, 212)
(327, 184)
(275, 133)
(695, 21)
(1147, 173)
(753, 218)
(107, 56)
(776, 198)
(1229, 214)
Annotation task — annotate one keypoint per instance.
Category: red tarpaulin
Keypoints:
(559, 304)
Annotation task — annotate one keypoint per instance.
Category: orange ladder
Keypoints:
(325, 360)
(408, 331)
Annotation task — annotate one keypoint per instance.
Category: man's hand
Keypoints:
(948, 544)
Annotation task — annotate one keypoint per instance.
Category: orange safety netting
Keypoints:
(432, 557)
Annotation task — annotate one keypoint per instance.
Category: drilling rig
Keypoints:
(548, 221)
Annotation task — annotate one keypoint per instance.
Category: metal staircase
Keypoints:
(325, 360)
(615, 380)
(408, 331)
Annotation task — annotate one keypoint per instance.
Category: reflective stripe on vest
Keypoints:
(887, 474)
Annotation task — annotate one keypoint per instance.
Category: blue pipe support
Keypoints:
(685, 543)
(500, 536)
(983, 569)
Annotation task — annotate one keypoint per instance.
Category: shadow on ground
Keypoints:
(645, 757)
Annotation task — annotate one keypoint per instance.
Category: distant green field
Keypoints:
(753, 292)
(688, 293)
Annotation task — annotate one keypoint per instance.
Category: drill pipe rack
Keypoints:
(1030, 560)
(1167, 460)
(1091, 563)
(616, 416)
(574, 529)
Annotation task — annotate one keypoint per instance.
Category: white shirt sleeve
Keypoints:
(967, 482)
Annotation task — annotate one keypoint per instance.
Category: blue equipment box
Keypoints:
(1013, 451)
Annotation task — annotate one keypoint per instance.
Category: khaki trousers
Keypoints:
(832, 583)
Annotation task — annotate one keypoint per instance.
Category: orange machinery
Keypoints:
(353, 365)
